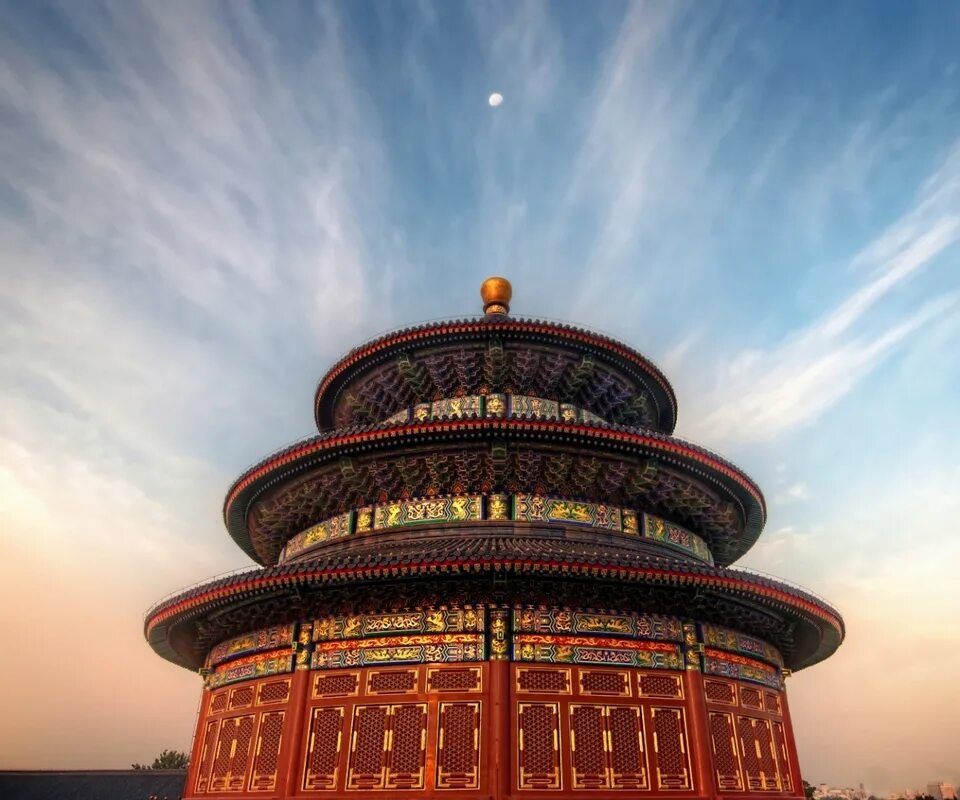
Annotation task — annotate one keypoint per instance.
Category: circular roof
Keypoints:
(491, 354)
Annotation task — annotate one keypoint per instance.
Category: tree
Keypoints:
(168, 759)
(808, 790)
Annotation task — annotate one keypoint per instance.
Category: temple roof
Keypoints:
(805, 628)
(333, 472)
(490, 354)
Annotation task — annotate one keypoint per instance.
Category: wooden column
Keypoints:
(199, 734)
(290, 768)
(501, 739)
(792, 755)
(701, 750)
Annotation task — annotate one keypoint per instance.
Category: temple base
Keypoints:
(494, 729)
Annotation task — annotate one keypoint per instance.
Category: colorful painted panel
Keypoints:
(456, 407)
(441, 648)
(257, 666)
(730, 665)
(450, 620)
(596, 650)
(735, 642)
(333, 528)
(536, 508)
(266, 639)
(529, 620)
(522, 405)
(666, 532)
(461, 508)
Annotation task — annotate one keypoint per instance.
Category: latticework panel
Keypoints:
(392, 682)
(233, 753)
(609, 682)
(538, 730)
(343, 685)
(458, 746)
(454, 679)
(588, 747)
(323, 749)
(768, 759)
(750, 698)
(263, 777)
(771, 703)
(627, 757)
(724, 746)
(543, 681)
(670, 748)
(750, 754)
(219, 703)
(663, 686)
(207, 752)
(408, 746)
(241, 698)
(783, 757)
(368, 748)
(718, 691)
(273, 692)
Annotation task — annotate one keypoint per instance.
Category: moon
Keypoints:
(495, 99)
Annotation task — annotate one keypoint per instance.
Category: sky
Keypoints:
(202, 206)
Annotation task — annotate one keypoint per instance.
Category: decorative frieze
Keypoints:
(271, 638)
(731, 665)
(429, 649)
(736, 642)
(520, 507)
(255, 666)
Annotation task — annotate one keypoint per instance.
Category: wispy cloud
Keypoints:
(796, 381)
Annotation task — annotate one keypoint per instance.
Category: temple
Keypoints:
(494, 573)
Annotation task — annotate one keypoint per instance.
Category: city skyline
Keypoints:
(203, 206)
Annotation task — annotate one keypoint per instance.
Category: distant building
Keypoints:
(942, 791)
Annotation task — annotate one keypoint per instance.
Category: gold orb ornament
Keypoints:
(496, 293)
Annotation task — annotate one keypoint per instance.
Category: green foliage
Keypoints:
(808, 790)
(168, 759)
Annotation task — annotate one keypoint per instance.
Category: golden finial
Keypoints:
(496, 294)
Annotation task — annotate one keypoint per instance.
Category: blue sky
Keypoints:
(203, 205)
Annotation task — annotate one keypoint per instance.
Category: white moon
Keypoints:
(495, 99)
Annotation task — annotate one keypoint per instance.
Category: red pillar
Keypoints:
(791, 743)
(199, 734)
(701, 751)
(289, 767)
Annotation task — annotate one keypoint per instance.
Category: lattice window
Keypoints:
(604, 681)
(771, 702)
(723, 739)
(368, 748)
(539, 745)
(750, 698)
(218, 703)
(408, 746)
(720, 691)
(206, 754)
(263, 778)
(543, 681)
(241, 698)
(458, 745)
(323, 749)
(606, 744)
(768, 760)
(588, 747)
(392, 682)
(628, 761)
(454, 680)
(388, 747)
(783, 757)
(750, 754)
(273, 692)
(233, 752)
(666, 686)
(670, 747)
(343, 685)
